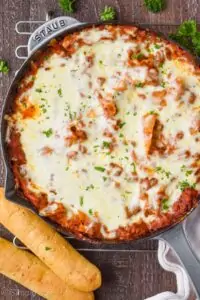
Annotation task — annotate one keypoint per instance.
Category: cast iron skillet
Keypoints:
(174, 234)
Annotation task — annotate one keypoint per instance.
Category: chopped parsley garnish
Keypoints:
(48, 132)
(157, 46)
(160, 170)
(67, 168)
(163, 84)
(105, 178)
(161, 65)
(81, 200)
(135, 113)
(4, 66)
(106, 144)
(43, 108)
(47, 248)
(153, 112)
(38, 90)
(90, 211)
(134, 167)
(165, 204)
(185, 170)
(67, 5)
(122, 124)
(108, 13)
(155, 6)
(60, 92)
(99, 168)
(121, 135)
(188, 36)
(89, 187)
(139, 85)
(33, 78)
(138, 56)
(185, 184)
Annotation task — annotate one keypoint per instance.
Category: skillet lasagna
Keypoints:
(104, 132)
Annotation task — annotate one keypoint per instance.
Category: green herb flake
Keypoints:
(185, 184)
(160, 170)
(161, 65)
(157, 46)
(89, 187)
(81, 200)
(155, 6)
(99, 168)
(138, 56)
(153, 112)
(165, 204)
(67, 168)
(139, 85)
(48, 132)
(60, 92)
(186, 171)
(163, 84)
(134, 167)
(47, 248)
(108, 13)
(38, 90)
(121, 125)
(106, 144)
(67, 5)
(4, 66)
(104, 178)
(90, 211)
(44, 110)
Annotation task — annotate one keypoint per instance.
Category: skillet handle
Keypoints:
(49, 30)
(177, 239)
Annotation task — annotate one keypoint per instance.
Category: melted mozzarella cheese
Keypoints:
(67, 88)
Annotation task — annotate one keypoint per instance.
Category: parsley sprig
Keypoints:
(188, 36)
(4, 66)
(67, 5)
(155, 6)
(108, 13)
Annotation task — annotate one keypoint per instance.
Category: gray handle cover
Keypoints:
(49, 30)
(177, 239)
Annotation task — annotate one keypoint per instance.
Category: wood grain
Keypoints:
(127, 275)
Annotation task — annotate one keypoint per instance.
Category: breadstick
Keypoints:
(26, 269)
(60, 257)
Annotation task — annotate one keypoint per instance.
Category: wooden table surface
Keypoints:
(130, 275)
